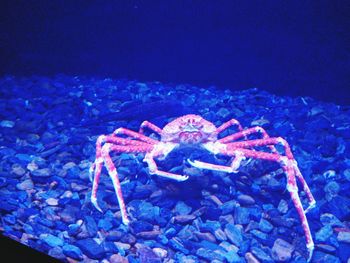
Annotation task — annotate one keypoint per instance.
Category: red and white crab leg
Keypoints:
(289, 154)
(135, 135)
(112, 171)
(227, 124)
(288, 164)
(216, 148)
(245, 133)
(151, 126)
(162, 149)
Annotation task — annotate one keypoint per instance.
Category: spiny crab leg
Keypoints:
(288, 165)
(245, 133)
(151, 126)
(233, 168)
(103, 155)
(227, 124)
(162, 149)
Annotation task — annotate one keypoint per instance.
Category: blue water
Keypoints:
(48, 130)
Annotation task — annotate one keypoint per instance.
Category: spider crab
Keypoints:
(195, 131)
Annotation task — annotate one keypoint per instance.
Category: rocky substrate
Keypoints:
(48, 130)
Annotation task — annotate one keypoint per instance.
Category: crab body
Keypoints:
(193, 130)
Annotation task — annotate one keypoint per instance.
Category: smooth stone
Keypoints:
(262, 254)
(184, 219)
(116, 258)
(282, 250)
(25, 185)
(251, 258)
(330, 219)
(90, 248)
(246, 200)
(162, 253)
(56, 252)
(209, 254)
(265, 226)
(283, 206)
(181, 208)
(228, 207)
(18, 170)
(51, 240)
(148, 234)
(52, 201)
(344, 237)
(242, 215)
(72, 251)
(43, 172)
(324, 233)
(146, 255)
(7, 124)
(234, 234)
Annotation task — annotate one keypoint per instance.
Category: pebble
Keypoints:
(25, 185)
(344, 237)
(43, 172)
(282, 250)
(116, 258)
(251, 258)
(7, 124)
(52, 201)
(283, 206)
(90, 248)
(73, 252)
(51, 240)
(324, 233)
(234, 234)
(18, 170)
(162, 253)
(245, 200)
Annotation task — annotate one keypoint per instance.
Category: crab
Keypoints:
(194, 130)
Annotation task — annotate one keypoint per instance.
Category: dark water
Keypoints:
(48, 144)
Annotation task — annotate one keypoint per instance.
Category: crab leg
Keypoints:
(163, 149)
(151, 126)
(245, 133)
(288, 164)
(104, 156)
(135, 135)
(289, 154)
(227, 124)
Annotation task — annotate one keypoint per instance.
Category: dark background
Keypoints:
(290, 48)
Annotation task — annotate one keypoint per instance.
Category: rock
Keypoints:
(205, 236)
(149, 234)
(182, 209)
(176, 244)
(25, 185)
(18, 170)
(344, 237)
(105, 224)
(51, 240)
(228, 207)
(43, 172)
(234, 234)
(162, 253)
(146, 255)
(241, 215)
(246, 200)
(91, 248)
(184, 219)
(250, 258)
(282, 250)
(52, 201)
(7, 124)
(72, 251)
(283, 206)
(56, 252)
(262, 254)
(330, 219)
(331, 189)
(265, 226)
(90, 225)
(321, 257)
(116, 258)
(324, 233)
(140, 226)
(260, 235)
(220, 235)
(209, 254)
